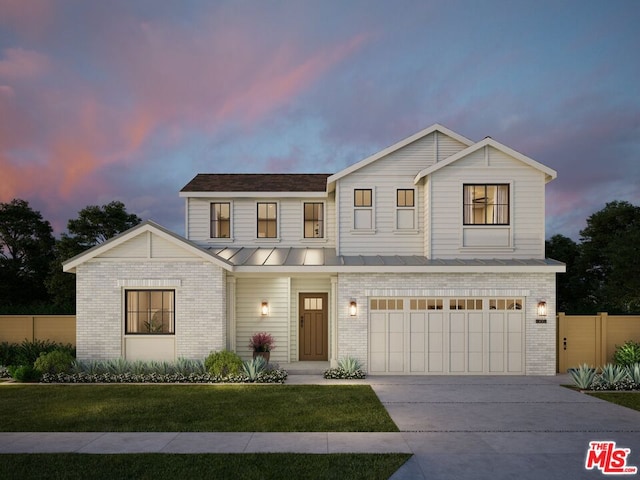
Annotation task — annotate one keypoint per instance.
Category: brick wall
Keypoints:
(540, 350)
(200, 317)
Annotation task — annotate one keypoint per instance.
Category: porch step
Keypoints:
(305, 368)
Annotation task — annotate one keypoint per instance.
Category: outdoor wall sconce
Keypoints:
(353, 308)
(542, 311)
(264, 308)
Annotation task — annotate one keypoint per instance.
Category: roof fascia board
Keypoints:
(397, 146)
(286, 194)
(368, 269)
(550, 173)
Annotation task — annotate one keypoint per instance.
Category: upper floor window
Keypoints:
(363, 209)
(405, 213)
(150, 311)
(313, 220)
(267, 220)
(221, 220)
(486, 204)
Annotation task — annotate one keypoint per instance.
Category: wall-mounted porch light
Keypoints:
(353, 308)
(542, 312)
(264, 308)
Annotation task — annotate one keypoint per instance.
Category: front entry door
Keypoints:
(314, 327)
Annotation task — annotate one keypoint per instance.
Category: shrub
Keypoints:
(223, 363)
(25, 373)
(57, 361)
(8, 352)
(28, 351)
(627, 354)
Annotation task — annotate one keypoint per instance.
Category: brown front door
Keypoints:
(314, 326)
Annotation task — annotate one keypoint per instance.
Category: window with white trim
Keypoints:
(363, 209)
(220, 220)
(313, 220)
(405, 209)
(150, 312)
(267, 220)
(486, 204)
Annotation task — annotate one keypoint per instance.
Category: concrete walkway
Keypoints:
(456, 427)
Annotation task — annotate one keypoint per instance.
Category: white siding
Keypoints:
(250, 292)
(523, 238)
(137, 247)
(385, 176)
(244, 223)
(447, 146)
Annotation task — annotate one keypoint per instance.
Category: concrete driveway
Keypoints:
(503, 427)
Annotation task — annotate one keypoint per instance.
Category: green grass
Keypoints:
(626, 399)
(201, 466)
(192, 408)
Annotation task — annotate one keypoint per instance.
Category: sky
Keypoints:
(129, 99)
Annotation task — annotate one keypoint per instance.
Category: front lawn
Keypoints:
(192, 408)
(201, 466)
(626, 399)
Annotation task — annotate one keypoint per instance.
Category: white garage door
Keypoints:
(446, 336)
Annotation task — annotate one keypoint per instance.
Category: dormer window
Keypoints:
(486, 204)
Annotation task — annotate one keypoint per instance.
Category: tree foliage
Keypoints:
(26, 250)
(95, 224)
(611, 250)
(603, 271)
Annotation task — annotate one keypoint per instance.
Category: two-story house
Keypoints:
(425, 258)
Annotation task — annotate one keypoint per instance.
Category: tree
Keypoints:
(611, 253)
(96, 224)
(93, 226)
(26, 250)
(572, 290)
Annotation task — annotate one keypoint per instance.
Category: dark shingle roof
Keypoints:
(257, 182)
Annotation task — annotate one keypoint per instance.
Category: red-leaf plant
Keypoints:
(262, 342)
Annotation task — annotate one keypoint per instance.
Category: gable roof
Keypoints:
(397, 146)
(257, 182)
(142, 228)
(550, 173)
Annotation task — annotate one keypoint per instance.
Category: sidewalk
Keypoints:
(203, 442)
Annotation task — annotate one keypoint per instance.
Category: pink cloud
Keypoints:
(69, 123)
(19, 63)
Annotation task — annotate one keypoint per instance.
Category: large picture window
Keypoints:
(150, 312)
(267, 220)
(486, 204)
(221, 220)
(313, 220)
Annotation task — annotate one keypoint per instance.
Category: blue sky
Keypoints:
(128, 100)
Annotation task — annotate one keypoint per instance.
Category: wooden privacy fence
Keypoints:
(56, 328)
(592, 339)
